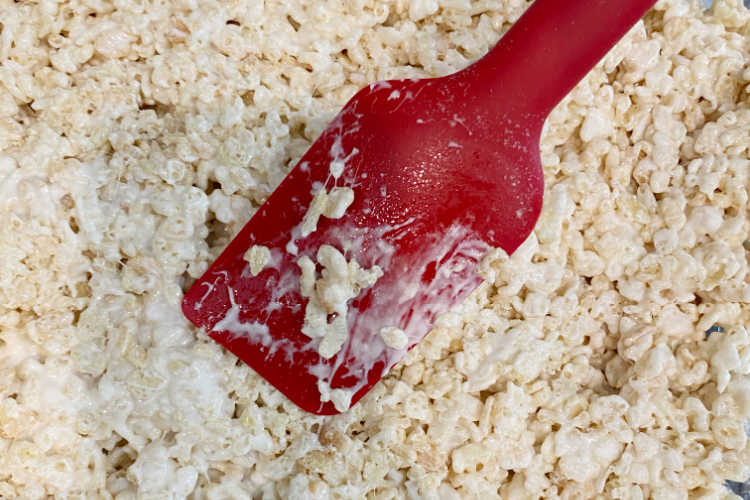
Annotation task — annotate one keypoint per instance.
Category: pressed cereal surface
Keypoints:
(137, 136)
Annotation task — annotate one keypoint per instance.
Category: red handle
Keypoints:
(551, 48)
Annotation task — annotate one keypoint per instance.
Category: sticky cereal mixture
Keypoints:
(136, 138)
(329, 295)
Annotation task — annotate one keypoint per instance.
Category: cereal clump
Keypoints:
(258, 256)
(393, 337)
(329, 295)
(332, 205)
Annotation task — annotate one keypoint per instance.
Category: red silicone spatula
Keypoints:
(441, 170)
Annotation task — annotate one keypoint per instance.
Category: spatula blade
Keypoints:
(433, 189)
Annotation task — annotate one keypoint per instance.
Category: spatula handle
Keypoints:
(552, 47)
